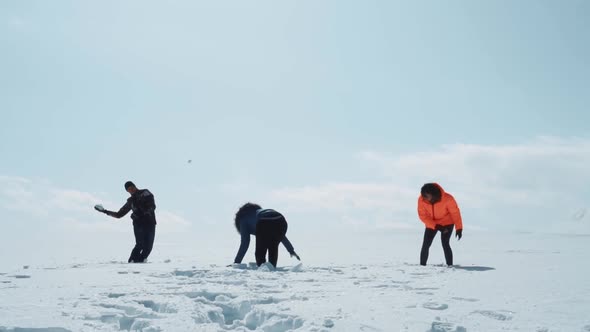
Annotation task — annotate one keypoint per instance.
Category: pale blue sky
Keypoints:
(280, 102)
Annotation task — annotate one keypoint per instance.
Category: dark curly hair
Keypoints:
(432, 189)
(245, 211)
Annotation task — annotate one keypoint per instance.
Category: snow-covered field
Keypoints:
(504, 282)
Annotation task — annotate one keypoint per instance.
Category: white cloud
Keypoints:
(381, 206)
(70, 200)
(39, 198)
(44, 202)
(13, 179)
(530, 174)
(533, 183)
(346, 195)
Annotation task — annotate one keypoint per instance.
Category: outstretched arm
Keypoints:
(244, 244)
(288, 245)
(290, 248)
(121, 213)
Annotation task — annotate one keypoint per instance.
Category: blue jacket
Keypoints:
(248, 227)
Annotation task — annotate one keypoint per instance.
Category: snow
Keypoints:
(369, 282)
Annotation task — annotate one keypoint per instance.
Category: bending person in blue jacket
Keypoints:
(270, 228)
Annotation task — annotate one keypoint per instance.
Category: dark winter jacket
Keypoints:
(248, 227)
(143, 206)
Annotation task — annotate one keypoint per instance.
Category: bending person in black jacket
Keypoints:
(270, 228)
(143, 206)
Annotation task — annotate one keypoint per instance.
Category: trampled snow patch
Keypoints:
(46, 329)
(495, 293)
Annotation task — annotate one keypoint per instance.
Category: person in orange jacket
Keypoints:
(438, 211)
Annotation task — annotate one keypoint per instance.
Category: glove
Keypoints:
(99, 208)
(293, 254)
(459, 234)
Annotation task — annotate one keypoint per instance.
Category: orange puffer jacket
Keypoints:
(444, 212)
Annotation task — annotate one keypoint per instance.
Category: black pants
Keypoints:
(144, 242)
(445, 237)
(269, 234)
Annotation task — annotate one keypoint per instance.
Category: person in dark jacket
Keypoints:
(270, 228)
(143, 207)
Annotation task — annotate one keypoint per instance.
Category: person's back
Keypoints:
(250, 220)
(143, 207)
(270, 228)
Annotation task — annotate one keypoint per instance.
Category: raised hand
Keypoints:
(99, 208)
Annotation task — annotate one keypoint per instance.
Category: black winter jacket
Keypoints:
(143, 206)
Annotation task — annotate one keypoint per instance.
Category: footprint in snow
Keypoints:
(400, 282)
(159, 307)
(502, 315)
(365, 327)
(425, 293)
(465, 299)
(125, 323)
(129, 311)
(187, 273)
(445, 327)
(419, 274)
(435, 306)
(211, 296)
(46, 329)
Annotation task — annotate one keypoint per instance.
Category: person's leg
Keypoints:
(279, 229)
(148, 241)
(136, 252)
(429, 235)
(262, 241)
(445, 239)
